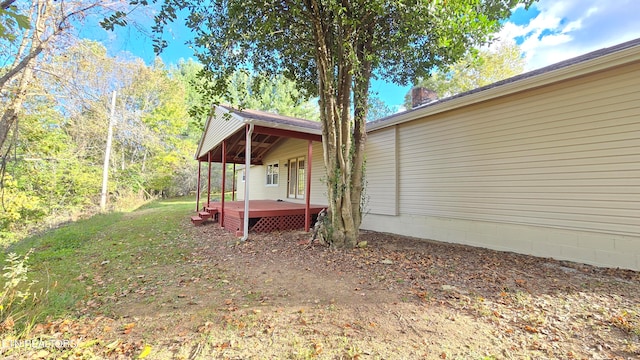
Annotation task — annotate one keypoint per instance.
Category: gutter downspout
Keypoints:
(247, 166)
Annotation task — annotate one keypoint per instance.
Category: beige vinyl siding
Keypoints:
(381, 173)
(256, 184)
(239, 184)
(290, 149)
(563, 156)
(219, 127)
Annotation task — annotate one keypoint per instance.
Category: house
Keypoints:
(284, 162)
(546, 163)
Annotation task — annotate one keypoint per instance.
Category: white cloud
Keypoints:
(568, 28)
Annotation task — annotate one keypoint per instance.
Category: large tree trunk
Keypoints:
(343, 138)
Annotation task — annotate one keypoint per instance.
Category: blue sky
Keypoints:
(548, 32)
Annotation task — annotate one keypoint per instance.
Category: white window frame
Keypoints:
(296, 184)
(270, 173)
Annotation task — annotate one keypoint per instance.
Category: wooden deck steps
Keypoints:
(206, 214)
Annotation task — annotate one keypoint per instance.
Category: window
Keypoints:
(272, 174)
(297, 178)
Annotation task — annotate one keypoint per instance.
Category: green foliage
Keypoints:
(16, 290)
(474, 70)
(47, 178)
(278, 95)
(378, 109)
(403, 42)
(56, 172)
(17, 207)
(11, 21)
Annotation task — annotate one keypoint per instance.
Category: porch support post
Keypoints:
(247, 166)
(209, 180)
(224, 177)
(307, 193)
(198, 187)
(233, 184)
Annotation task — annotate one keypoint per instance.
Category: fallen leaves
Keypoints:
(531, 308)
(145, 352)
(128, 328)
(531, 329)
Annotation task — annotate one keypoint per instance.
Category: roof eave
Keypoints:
(618, 58)
(282, 126)
(204, 134)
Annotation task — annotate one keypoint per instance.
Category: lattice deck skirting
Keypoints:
(266, 215)
(273, 223)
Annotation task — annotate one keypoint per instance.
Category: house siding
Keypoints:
(256, 183)
(381, 175)
(219, 127)
(281, 153)
(552, 171)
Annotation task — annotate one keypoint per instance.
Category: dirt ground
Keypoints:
(415, 298)
(396, 298)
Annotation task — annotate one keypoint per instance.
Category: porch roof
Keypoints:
(229, 124)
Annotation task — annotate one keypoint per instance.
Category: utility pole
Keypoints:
(107, 154)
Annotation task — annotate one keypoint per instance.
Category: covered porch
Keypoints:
(246, 137)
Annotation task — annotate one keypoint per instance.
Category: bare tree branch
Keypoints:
(6, 4)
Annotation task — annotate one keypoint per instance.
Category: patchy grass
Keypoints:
(147, 283)
(105, 249)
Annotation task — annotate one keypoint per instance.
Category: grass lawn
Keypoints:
(81, 266)
(148, 284)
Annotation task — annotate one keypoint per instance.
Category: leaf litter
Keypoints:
(395, 298)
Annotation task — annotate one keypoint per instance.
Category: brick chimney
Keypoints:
(421, 96)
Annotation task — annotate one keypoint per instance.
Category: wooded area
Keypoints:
(55, 96)
(52, 160)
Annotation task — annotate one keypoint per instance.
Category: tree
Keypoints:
(474, 71)
(331, 49)
(31, 31)
(378, 109)
(10, 20)
(277, 95)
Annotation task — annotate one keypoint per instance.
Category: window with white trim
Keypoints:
(297, 178)
(273, 173)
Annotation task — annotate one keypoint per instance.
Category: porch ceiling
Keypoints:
(269, 130)
(260, 146)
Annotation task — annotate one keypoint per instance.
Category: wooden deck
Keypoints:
(264, 215)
